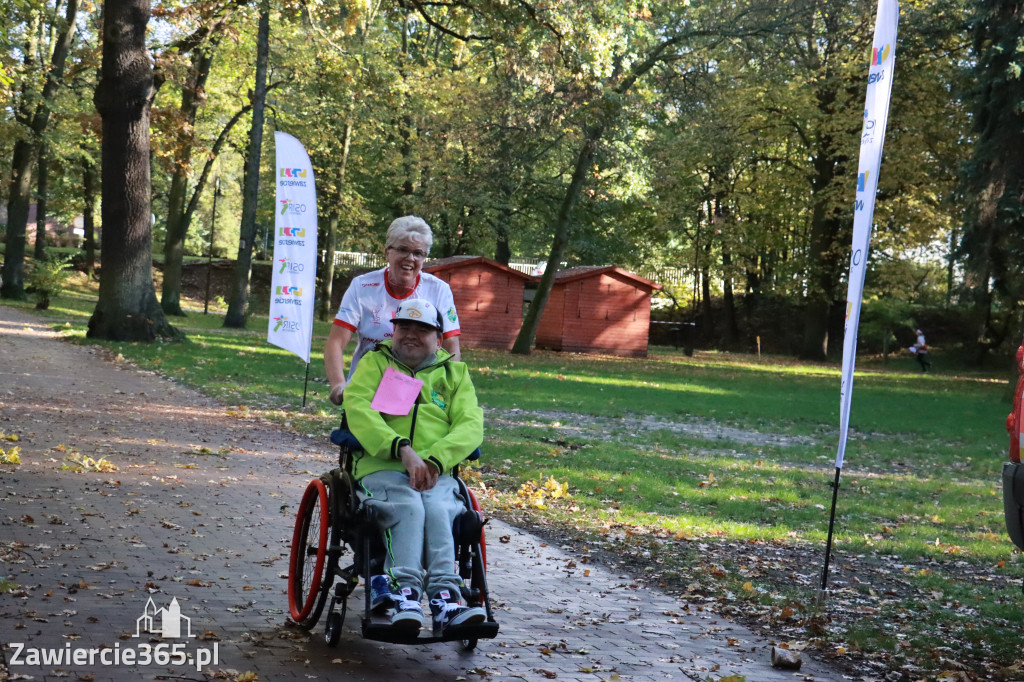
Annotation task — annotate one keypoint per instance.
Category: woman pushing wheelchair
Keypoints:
(371, 300)
(414, 411)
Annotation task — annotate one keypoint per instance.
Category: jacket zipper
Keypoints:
(415, 411)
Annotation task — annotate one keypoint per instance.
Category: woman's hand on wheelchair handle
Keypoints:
(422, 476)
(337, 392)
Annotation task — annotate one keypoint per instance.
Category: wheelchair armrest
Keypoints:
(343, 437)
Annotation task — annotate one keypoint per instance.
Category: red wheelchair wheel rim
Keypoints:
(309, 550)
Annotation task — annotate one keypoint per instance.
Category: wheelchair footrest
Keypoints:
(380, 630)
(485, 630)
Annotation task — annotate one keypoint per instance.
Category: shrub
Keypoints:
(48, 278)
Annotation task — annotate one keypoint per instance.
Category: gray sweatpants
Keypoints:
(417, 528)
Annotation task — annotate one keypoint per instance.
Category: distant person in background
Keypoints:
(920, 351)
(370, 302)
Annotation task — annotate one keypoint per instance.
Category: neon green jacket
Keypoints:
(444, 426)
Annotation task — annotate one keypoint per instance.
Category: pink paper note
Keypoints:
(396, 393)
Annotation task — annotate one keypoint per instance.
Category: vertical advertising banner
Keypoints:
(876, 115)
(293, 285)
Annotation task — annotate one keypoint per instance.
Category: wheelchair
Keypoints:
(332, 523)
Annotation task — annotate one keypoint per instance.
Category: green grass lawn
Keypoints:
(710, 475)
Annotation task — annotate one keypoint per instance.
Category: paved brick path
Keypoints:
(200, 510)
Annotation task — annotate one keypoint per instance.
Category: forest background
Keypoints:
(715, 139)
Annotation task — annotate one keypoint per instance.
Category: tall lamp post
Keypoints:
(209, 256)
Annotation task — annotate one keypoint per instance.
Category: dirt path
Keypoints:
(199, 511)
(625, 428)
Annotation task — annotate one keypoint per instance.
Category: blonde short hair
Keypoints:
(408, 226)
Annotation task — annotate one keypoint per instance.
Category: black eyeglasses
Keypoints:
(417, 254)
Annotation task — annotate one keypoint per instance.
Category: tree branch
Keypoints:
(443, 29)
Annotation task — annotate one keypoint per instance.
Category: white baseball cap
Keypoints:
(419, 310)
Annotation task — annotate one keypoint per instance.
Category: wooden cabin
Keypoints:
(597, 310)
(488, 296)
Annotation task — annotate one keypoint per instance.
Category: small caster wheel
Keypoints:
(468, 644)
(333, 631)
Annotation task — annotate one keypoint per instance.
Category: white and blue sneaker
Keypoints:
(408, 613)
(382, 598)
(448, 612)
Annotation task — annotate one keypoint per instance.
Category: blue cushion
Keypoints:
(345, 438)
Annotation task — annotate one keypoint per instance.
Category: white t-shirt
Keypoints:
(369, 304)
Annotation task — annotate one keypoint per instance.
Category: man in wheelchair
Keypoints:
(414, 411)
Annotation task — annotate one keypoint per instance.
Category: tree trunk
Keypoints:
(127, 308)
(174, 244)
(823, 255)
(591, 138)
(204, 175)
(20, 187)
(993, 181)
(237, 308)
(707, 314)
(528, 333)
(502, 249)
(822, 279)
(981, 314)
(42, 193)
(327, 269)
(506, 185)
(18, 203)
(331, 238)
(732, 332)
(22, 159)
(403, 202)
(88, 223)
(178, 222)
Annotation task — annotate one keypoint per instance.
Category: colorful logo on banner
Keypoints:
(291, 207)
(862, 180)
(288, 266)
(283, 324)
